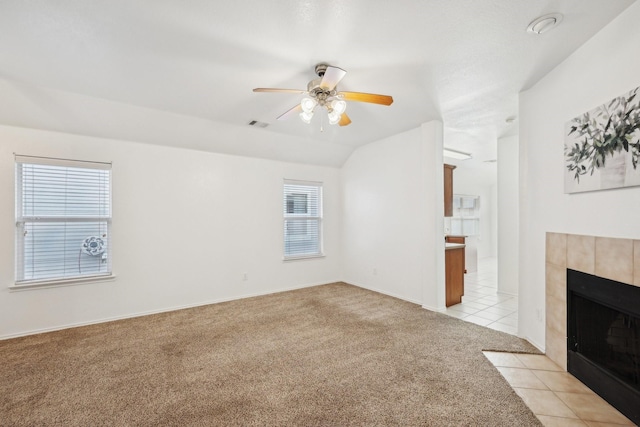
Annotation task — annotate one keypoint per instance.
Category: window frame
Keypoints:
(23, 221)
(306, 216)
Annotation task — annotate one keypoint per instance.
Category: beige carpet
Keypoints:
(333, 355)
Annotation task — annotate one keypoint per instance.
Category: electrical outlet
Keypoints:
(539, 314)
(245, 277)
(375, 272)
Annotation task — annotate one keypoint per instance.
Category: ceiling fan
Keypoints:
(322, 92)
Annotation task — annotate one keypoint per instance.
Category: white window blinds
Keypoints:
(302, 209)
(63, 219)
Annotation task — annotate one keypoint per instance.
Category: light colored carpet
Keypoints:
(332, 355)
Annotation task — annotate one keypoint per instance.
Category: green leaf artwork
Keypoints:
(593, 138)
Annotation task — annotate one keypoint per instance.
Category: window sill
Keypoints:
(302, 257)
(59, 283)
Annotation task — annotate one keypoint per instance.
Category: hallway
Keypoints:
(481, 303)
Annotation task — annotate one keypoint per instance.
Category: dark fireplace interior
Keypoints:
(603, 342)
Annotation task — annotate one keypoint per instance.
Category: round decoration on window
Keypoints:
(93, 246)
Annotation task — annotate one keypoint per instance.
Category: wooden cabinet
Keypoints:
(454, 274)
(448, 189)
(458, 239)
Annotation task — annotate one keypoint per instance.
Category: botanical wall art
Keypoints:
(602, 146)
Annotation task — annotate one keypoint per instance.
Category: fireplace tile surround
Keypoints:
(611, 258)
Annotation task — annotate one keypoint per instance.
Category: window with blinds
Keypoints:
(302, 219)
(63, 219)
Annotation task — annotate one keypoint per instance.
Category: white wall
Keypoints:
(186, 225)
(393, 216)
(606, 66)
(494, 220)
(508, 201)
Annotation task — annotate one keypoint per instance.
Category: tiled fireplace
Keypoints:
(609, 258)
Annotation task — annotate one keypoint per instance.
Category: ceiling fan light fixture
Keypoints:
(308, 104)
(334, 117)
(306, 116)
(339, 106)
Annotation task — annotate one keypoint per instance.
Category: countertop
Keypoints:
(448, 246)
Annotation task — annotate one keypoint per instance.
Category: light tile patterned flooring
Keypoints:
(482, 305)
(556, 397)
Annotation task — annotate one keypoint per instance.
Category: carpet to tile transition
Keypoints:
(332, 355)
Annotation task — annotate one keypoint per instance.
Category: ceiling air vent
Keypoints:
(258, 124)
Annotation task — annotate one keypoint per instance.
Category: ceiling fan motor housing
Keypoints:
(321, 69)
(323, 96)
(320, 94)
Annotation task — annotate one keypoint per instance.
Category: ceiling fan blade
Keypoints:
(344, 120)
(268, 89)
(292, 112)
(332, 77)
(367, 97)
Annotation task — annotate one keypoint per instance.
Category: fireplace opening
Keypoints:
(603, 339)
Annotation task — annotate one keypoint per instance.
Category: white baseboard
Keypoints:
(391, 294)
(150, 312)
(507, 293)
(436, 309)
(533, 343)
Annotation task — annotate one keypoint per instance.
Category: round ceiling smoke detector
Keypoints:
(544, 23)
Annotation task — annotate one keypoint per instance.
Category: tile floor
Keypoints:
(481, 303)
(556, 397)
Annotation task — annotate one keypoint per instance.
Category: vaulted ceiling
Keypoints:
(182, 72)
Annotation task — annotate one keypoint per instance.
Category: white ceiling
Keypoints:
(181, 73)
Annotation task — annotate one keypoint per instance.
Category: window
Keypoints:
(63, 219)
(466, 215)
(302, 219)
